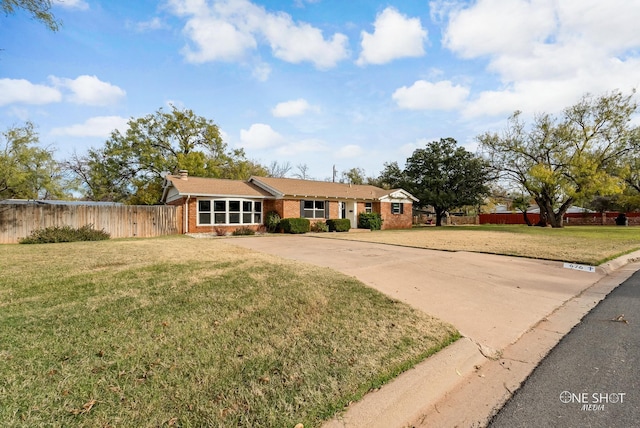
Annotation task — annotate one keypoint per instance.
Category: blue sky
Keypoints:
(318, 82)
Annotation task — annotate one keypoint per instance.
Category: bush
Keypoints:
(220, 231)
(272, 221)
(319, 226)
(371, 221)
(622, 220)
(339, 225)
(65, 234)
(295, 225)
(243, 231)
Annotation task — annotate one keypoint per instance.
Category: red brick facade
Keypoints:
(282, 196)
(394, 221)
(291, 209)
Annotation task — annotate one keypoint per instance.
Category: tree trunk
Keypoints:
(526, 218)
(548, 215)
(439, 215)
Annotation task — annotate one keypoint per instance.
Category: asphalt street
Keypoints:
(592, 377)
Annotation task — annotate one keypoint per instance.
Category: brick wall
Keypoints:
(291, 209)
(394, 221)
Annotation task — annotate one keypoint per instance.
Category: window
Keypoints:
(234, 212)
(312, 209)
(229, 211)
(204, 212)
(368, 207)
(397, 208)
(220, 208)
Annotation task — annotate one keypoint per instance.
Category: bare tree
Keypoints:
(278, 170)
(303, 172)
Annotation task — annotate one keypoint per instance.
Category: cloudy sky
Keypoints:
(318, 82)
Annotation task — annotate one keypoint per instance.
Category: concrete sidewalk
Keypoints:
(511, 312)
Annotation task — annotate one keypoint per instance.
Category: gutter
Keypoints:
(186, 215)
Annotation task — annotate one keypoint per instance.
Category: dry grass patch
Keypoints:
(577, 244)
(190, 333)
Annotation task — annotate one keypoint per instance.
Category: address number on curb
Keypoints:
(583, 268)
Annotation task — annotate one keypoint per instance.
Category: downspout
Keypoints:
(186, 215)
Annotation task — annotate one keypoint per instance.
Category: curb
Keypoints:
(460, 387)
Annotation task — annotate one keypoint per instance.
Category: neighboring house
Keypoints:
(214, 204)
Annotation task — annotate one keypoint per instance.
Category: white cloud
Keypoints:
(216, 40)
(395, 36)
(72, 4)
(545, 53)
(297, 43)
(260, 136)
(100, 126)
(304, 146)
(291, 108)
(151, 25)
(89, 90)
(423, 95)
(226, 30)
(349, 151)
(21, 91)
(261, 72)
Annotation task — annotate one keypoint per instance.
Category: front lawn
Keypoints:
(576, 244)
(191, 333)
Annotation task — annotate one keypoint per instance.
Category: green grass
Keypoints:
(191, 333)
(577, 244)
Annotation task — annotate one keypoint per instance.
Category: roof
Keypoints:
(291, 187)
(214, 187)
(269, 187)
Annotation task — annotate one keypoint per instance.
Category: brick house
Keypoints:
(211, 204)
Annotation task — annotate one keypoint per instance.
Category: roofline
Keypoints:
(275, 192)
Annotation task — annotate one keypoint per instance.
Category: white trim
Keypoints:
(226, 212)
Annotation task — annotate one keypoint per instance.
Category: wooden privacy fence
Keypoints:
(120, 221)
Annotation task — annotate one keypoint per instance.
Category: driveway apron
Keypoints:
(490, 299)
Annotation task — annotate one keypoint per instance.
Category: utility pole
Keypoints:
(334, 173)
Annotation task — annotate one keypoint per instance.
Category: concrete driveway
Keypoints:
(511, 311)
(490, 299)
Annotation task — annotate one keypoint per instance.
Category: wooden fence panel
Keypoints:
(120, 221)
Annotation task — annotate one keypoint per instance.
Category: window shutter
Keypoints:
(326, 210)
(401, 208)
(301, 208)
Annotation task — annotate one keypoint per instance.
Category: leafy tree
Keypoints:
(560, 161)
(446, 176)
(130, 167)
(521, 203)
(39, 9)
(633, 177)
(391, 177)
(353, 176)
(28, 171)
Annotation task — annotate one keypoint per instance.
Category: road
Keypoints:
(592, 377)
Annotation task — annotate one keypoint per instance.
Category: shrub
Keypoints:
(65, 234)
(220, 231)
(295, 225)
(339, 224)
(242, 231)
(319, 226)
(371, 221)
(272, 221)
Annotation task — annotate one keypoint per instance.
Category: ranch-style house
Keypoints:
(210, 204)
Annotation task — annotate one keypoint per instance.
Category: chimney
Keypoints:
(184, 174)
